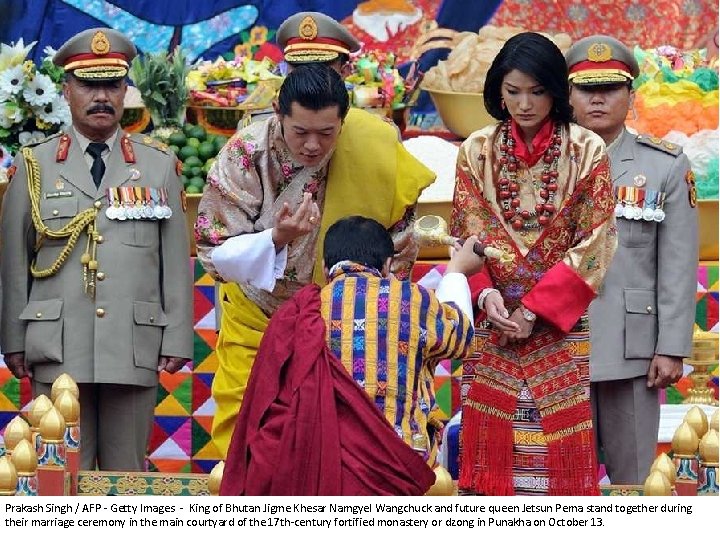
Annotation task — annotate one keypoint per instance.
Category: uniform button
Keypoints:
(38, 315)
(55, 212)
(648, 309)
(100, 276)
(152, 319)
(100, 239)
(98, 204)
(100, 312)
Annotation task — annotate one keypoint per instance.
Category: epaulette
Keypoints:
(147, 140)
(659, 144)
(43, 141)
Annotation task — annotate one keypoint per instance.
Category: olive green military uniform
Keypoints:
(120, 298)
(647, 302)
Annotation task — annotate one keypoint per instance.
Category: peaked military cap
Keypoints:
(598, 59)
(97, 54)
(310, 36)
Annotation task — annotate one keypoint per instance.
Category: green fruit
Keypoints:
(208, 165)
(219, 142)
(206, 150)
(192, 141)
(198, 132)
(197, 181)
(196, 172)
(184, 180)
(175, 149)
(193, 189)
(193, 161)
(177, 139)
(187, 129)
(187, 152)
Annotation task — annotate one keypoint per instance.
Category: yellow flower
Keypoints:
(29, 68)
(42, 125)
(244, 50)
(258, 35)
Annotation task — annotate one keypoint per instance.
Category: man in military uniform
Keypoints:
(641, 323)
(95, 259)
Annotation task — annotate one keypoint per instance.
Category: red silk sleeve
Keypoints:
(560, 297)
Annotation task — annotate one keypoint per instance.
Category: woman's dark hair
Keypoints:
(536, 56)
(314, 86)
(358, 239)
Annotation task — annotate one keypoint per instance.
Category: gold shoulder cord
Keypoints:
(71, 231)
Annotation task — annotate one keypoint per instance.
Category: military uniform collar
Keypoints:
(83, 141)
(621, 153)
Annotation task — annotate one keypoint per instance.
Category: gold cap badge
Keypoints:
(599, 52)
(100, 43)
(308, 28)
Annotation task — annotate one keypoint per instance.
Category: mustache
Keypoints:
(101, 108)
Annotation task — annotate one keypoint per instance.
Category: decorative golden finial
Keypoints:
(685, 441)
(215, 478)
(443, 485)
(697, 419)
(68, 405)
(64, 382)
(25, 459)
(704, 356)
(16, 431)
(52, 426)
(665, 465)
(715, 421)
(657, 485)
(38, 408)
(709, 449)
(8, 477)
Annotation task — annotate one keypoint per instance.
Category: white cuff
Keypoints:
(251, 259)
(454, 288)
(483, 295)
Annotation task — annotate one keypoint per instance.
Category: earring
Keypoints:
(502, 104)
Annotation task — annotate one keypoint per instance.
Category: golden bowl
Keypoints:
(461, 112)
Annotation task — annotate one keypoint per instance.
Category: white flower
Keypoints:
(10, 113)
(49, 52)
(57, 112)
(13, 54)
(40, 91)
(11, 82)
(27, 137)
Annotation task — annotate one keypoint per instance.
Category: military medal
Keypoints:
(659, 213)
(639, 180)
(619, 206)
(649, 211)
(59, 184)
(147, 208)
(134, 173)
(111, 210)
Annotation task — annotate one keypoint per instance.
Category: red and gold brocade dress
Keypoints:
(527, 426)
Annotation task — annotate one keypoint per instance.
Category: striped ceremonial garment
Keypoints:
(390, 334)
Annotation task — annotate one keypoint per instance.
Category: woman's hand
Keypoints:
(497, 314)
(288, 225)
(525, 328)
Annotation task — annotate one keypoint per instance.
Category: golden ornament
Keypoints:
(443, 485)
(215, 478)
(657, 485)
(708, 449)
(697, 419)
(666, 466)
(68, 405)
(40, 405)
(16, 431)
(308, 29)
(64, 382)
(685, 441)
(52, 426)
(8, 477)
(25, 459)
(599, 52)
(715, 421)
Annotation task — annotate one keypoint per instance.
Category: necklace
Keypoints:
(509, 191)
